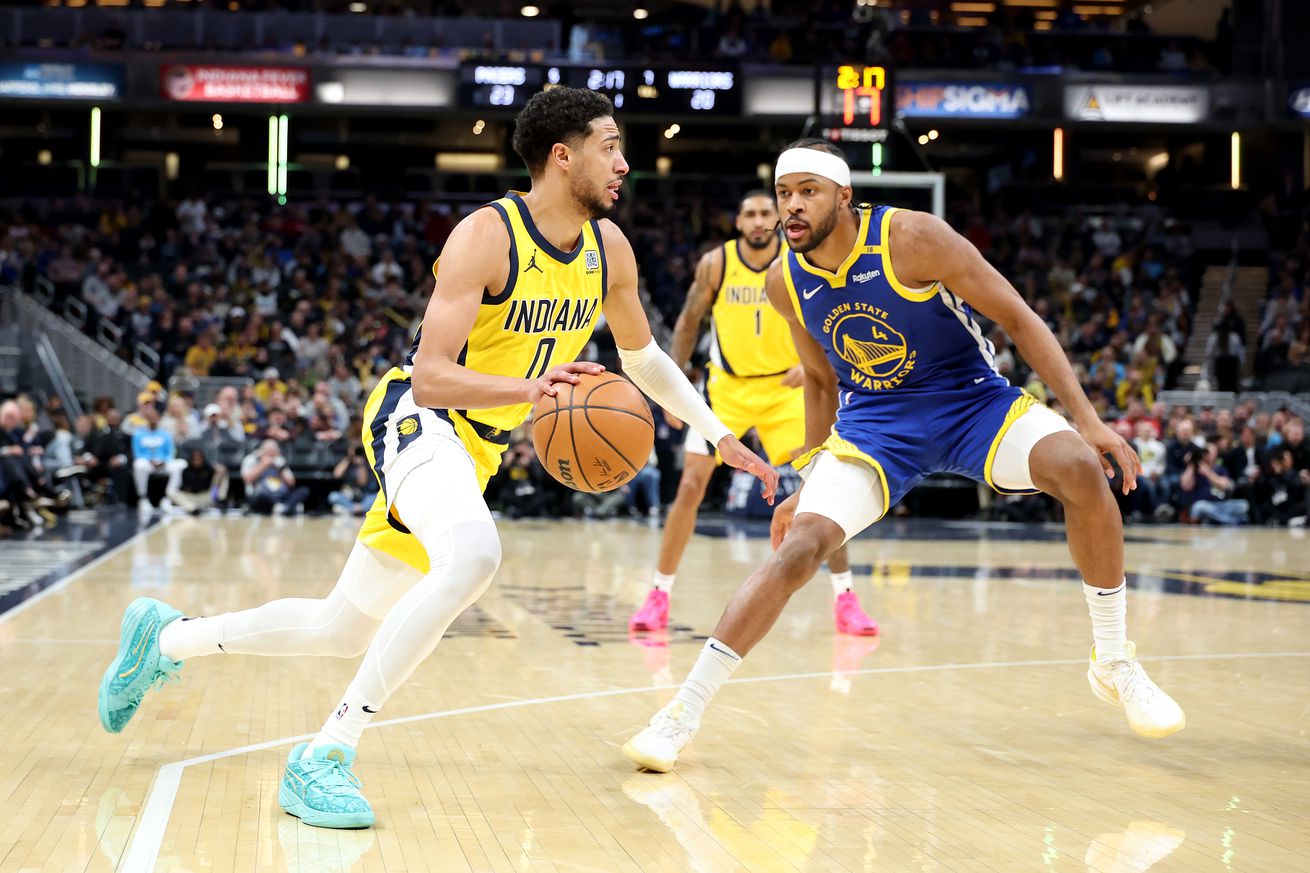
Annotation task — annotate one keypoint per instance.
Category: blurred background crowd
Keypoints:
(290, 314)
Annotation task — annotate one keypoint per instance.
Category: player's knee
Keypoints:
(799, 558)
(476, 552)
(691, 488)
(1081, 478)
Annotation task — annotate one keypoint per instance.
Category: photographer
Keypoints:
(1280, 493)
(359, 487)
(1206, 487)
(270, 483)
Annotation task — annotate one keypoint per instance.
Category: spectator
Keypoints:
(270, 484)
(202, 486)
(1151, 497)
(1245, 459)
(345, 386)
(181, 421)
(359, 487)
(1280, 493)
(153, 453)
(1223, 357)
(646, 487)
(1206, 487)
(192, 216)
(202, 356)
(269, 386)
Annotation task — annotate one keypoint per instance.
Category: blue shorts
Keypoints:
(906, 438)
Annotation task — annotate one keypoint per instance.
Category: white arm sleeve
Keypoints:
(654, 372)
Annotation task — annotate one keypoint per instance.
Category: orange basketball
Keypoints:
(596, 435)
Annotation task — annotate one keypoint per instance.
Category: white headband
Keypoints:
(813, 161)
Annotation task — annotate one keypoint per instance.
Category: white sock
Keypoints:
(191, 638)
(712, 669)
(346, 723)
(1109, 610)
(842, 582)
(663, 581)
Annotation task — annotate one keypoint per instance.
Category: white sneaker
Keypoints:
(1123, 682)
(165, 505)
(143, 506)
(657, 746)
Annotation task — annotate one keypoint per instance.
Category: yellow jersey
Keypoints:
(747, 335)
(544, 317)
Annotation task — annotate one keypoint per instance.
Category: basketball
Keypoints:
(595, 435)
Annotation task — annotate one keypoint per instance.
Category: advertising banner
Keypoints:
(1158, 104)
(963, 100)
(199, 83)
(78, 81)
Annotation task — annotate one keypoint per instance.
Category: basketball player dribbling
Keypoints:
(434, 431)
(754, 381)
(899, 383)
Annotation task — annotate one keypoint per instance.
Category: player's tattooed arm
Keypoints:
(820, 380)
(475, 260)
(704, 284)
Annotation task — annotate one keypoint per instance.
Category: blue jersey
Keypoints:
(918, 388)
(881, 336)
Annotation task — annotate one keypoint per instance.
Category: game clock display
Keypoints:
(634, 89)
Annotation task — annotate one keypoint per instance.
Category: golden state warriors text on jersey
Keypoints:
(876, 354)
(918, 389)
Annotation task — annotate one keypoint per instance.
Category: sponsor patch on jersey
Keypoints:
(593, 260)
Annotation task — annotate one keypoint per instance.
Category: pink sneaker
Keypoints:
(654, 613)
(850, 617)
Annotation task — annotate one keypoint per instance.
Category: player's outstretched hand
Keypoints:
(734, 454)
(1106, 442)
(545, 386)
(782, 519)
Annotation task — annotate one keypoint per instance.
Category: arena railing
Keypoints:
(1265, 401)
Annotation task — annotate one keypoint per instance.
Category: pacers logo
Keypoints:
(408, 430)
(877, 353)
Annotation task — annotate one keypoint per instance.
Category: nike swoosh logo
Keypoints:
(810, 293)
(723, 651)
(1111, 591)
(370, 711)
(979, 379)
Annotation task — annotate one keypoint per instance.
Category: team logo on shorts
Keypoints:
(408, 430)
(878, 354)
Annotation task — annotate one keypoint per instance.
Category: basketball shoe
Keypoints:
(321, 790)
(139, 665)
(850, 616)
(657, 746)
(654, 613)
(1123, 682)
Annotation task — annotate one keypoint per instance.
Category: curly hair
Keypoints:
(557, 115)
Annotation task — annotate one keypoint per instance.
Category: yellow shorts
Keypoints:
(775, 412)
(398, 436)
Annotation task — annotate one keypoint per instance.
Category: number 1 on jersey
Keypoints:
(759, 322)
(541, 358)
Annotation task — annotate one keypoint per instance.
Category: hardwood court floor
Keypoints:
(964, 739)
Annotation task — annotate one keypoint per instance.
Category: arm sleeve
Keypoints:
(654, 373)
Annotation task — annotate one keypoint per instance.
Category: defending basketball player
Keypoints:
(434, 431)
(899, 383)
(754, 382)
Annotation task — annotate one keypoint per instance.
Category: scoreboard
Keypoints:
(660, 90)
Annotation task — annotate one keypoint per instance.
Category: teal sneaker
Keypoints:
(138, 666)
(321, 790)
